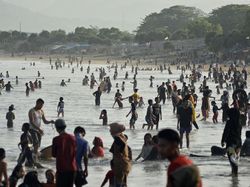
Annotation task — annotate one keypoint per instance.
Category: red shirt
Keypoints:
(98, 151)
(180, 161)
(64, 150)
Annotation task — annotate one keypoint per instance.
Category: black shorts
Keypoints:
(80, 179)
(65, 179)
(36, 137)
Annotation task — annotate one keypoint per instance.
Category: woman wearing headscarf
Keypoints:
(119, 149)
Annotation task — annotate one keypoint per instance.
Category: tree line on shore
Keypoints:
(226, 28)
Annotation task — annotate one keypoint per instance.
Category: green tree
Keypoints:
(199, 28)
(230, 17)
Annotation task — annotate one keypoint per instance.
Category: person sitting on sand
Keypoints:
(98, 150)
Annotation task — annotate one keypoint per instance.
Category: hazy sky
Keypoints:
(125, 14)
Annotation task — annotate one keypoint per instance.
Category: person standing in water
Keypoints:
(36, 116)
(134, 116)
(104, 117)
(157, 111)
(120, 151)
(97, 95)
(10, 116)
(27, 89)
(64, 149)
(60, 107)
(184, 124)
(232, 138)
(8, 87)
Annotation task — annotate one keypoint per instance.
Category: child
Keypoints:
(109, 176)
(146, 148)
(134, 116)
(104, 117)
(141, 102)
(50, 176)
(26, 145)
(10, 116)
(3, 169)
(215, 111)
(60, 107)
(97, 150)
(18, 173)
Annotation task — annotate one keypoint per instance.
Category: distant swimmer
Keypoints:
(16, 80)
(8, 87)
(63, 83)
(85, 81)
(7, 74)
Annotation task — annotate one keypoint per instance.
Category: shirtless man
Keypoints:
(36, 116)
(3, 169)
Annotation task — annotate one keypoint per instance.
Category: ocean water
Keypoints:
(80, 110)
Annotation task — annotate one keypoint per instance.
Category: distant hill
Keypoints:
(11, 16)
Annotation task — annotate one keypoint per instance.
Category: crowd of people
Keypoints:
(70, 150)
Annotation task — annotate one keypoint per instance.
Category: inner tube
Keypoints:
(218, 151)
(46, 153)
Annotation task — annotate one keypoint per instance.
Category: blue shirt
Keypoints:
(81, 150)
